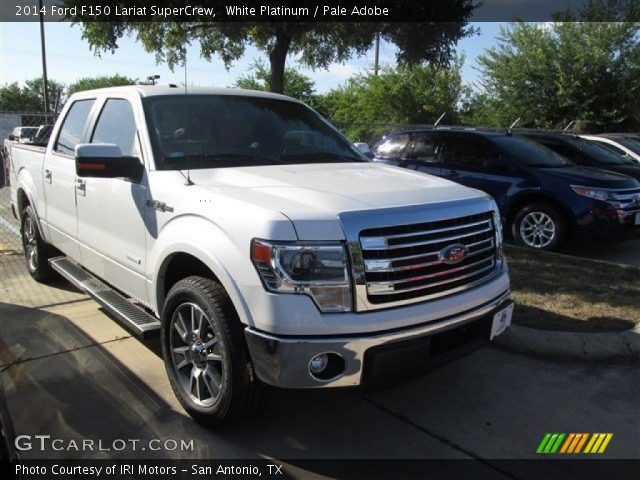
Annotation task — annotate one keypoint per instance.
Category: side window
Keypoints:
(116, 124)
(393, 148)
(567, 151)
(469, 152)
(73, 126)
(423, 148)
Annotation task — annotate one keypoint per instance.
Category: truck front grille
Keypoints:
(403, 262)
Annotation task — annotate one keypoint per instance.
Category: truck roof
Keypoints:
(155, 91)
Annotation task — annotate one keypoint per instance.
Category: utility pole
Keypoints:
(45, 79)
(377, 65)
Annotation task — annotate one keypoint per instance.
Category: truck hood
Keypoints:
(312, 195)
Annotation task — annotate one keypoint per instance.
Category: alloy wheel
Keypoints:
(196, 354)
(537, 229)
(30, 243)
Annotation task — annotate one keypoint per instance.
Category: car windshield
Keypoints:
(599, 154)
(530, 153)
(631, 144)
(213, 131)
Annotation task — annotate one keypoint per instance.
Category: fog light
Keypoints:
(318, 363)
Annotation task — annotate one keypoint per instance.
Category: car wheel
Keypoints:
(539, 226)
(36, 251)
(205, 354)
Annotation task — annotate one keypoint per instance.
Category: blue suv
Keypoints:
(544, 198)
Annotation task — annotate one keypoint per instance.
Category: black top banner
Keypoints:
(318, 11)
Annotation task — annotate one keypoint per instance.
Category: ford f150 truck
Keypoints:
(259, 243)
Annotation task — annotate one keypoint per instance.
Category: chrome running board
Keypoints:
(129, 315)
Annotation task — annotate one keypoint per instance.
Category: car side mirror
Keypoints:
(12, 137)
(105, 160)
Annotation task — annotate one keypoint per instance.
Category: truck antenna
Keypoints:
(568, 126)
(188, 183)
(438, 120)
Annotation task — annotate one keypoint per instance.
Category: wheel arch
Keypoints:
(528, 198)
(185, 260)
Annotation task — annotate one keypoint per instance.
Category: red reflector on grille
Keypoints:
(260, 252)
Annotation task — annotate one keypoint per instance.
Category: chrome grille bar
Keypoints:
(376, 243)
(381, 288)
(385, 265)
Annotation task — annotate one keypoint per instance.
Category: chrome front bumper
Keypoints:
(284, 361)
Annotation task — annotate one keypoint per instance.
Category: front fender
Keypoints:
(210, 244)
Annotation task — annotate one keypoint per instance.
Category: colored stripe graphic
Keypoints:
(573, 443)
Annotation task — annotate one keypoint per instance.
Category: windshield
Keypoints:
(530, 153)
(631, 144)
(598, 153)
(211, 131)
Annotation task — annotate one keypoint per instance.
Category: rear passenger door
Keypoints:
(59, 178)
(475, 162)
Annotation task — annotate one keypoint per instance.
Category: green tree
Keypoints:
(89, 83)
(403, 95)
(316, 44)
(550, 75)
(30, 97)
(296, 84)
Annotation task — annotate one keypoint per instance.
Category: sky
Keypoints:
(69, 58)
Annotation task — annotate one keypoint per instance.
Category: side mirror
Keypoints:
(12, 137)
(362, 147)
(105, 160)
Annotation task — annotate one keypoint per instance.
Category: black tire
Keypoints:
(550, 217)
(240, 392)
(36, 251)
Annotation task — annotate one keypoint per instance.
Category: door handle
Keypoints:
(48, 175)
(452, 173)
(81, 186)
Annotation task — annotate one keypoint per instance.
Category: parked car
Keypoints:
(585, 152)
(544, 199)
(262, 245)
(22, 134)
(624, 144)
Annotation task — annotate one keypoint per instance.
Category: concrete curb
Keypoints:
(578, 346)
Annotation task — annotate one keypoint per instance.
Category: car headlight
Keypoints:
(602, 194)
(320, 270)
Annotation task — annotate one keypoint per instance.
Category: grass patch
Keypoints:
(554, 292)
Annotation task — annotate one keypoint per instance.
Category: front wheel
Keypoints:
(36, 251)
(539, 226)
(205, 354)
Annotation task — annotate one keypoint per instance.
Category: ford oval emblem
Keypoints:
(453, 254)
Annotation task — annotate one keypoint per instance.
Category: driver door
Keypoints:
(111, 211)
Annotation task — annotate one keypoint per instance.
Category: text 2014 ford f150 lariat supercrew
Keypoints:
(258, 241)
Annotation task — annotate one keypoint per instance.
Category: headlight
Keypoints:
(602, 194)
(318, 270)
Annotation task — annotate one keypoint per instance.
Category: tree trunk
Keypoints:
(277, 59)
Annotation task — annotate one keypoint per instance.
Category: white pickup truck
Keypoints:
(260, 244)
